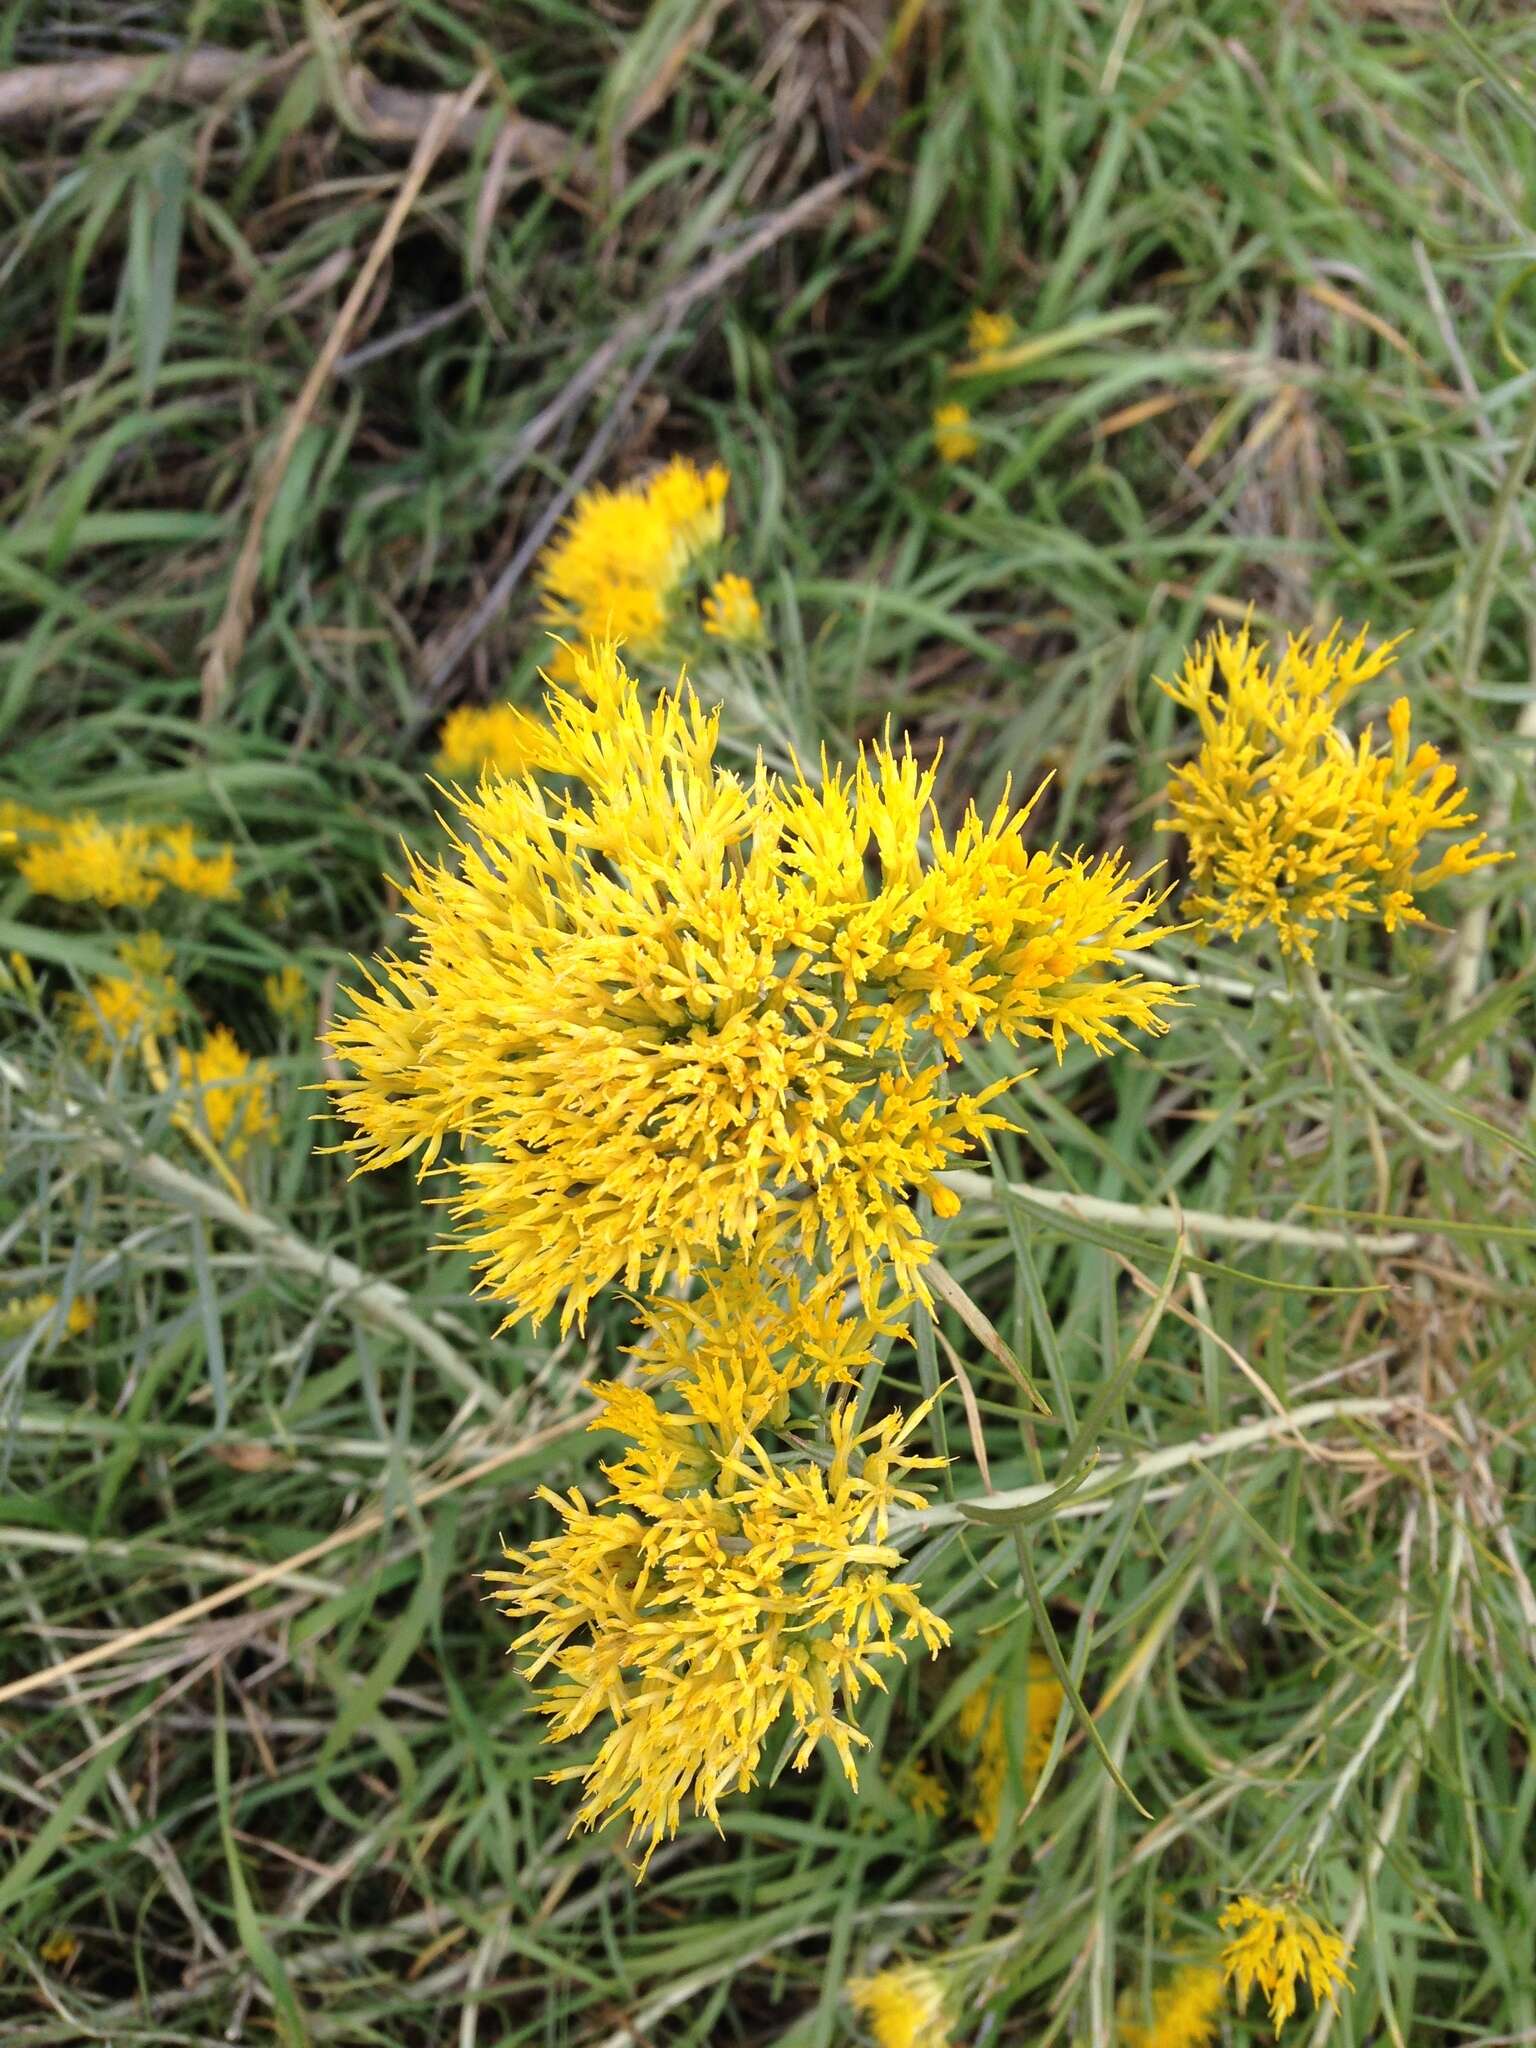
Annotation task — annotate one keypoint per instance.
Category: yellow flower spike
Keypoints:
(24, 1312)
(922, 1789)
(86, 861)
(1288, 825)
(716, 1589)
(681, 1014)
(1186, 2011)
(230, 1094)
(475, 740)
(731, 612)
(177, 861)
(984, 1719)
(121, 1009)
(1276, 1946)
(903, 2006)
(986, 333)
(614, 569)
(953, 436)
(287, 994)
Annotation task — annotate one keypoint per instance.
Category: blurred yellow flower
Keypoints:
(287, 994)
(953, 438)
(678, 1012)
(84, 860)
(987, 332)
(729, 1586)
(119, 1008)
(81, 859)
(985, 1720)
(922, 1789)
(1186, 2011)
(613, 571)
(231, 1093)
(475, 739)
(903, 2005)
(732, 612)
(1276, 1946)
(177, 860)
(1289, 824)
(24, 1312)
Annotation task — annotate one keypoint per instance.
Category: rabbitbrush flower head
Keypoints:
(722, 1585)
(903, 2005)
(1289, 824)
(621, 555)
(1186, 2011)
(1276, 1945)
(676, 1011)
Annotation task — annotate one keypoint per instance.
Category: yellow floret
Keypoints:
(953, 436)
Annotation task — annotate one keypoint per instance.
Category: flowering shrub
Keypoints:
(681, 1013)
(700, 1025)
(1292, 826)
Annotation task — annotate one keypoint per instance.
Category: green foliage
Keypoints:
(1271, 269)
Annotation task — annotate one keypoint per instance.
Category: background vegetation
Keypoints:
(1276, 266)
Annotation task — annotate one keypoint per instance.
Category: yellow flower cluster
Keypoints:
(476, 739)
(25, 1311)
(986, 334)
(985, 1720)
(954, 437)
(287, 994)
(987, 338)
(732, 612)
(119, 1008)
(616, 569)
(722, 1584)
(84, 859)
(1276, 1945)
(679, 1012)
(1186, 2011)
(903, 2005)
(620, 572)
(1290, 825)
(230, 1094)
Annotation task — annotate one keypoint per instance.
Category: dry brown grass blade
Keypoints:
(269, 1574)
(34, 94)
(228, 639)
(657, 318)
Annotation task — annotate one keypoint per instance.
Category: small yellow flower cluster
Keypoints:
(678, 1012)
(987, 337)
(954, 438)
(287, 994)
(722, 1583)
(922, 1789)
(732, 612)
(618, 572)
(25, 1311)
(83, 859)
(616, 569)
(476, 739)
(118, 1009)
(1186, 2011)
(1276, 1945)
(230, 1094)
(985, 1720)
(1289, 824)
(903, 2005)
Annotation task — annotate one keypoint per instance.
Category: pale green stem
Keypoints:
(1115, 1473)
(1338, 1036)
(1176, 1221)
